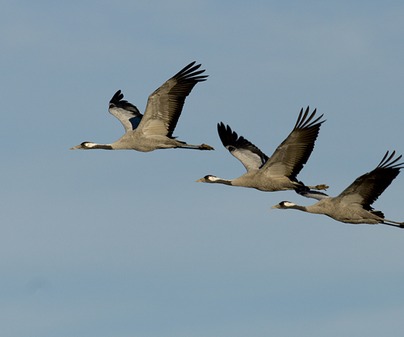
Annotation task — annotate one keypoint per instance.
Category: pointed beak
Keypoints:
(275, 206)
(76, 147)
(199, 180)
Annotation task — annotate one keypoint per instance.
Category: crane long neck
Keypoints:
(299, 208)
(222, 181)
(102, 146)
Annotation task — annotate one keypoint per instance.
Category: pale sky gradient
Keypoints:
(127, 244)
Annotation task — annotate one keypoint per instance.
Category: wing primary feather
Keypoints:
(164, 105)
(125, 112)
(306, 122)
(385, 159)
(245, 151)
(117, 97)
(369, 186)
(293, 153)
(301, 118)
(190, 69)
(118, 101)
(387, 163)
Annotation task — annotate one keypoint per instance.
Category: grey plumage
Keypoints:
(278, 172)
(354, 204)
(154, 129)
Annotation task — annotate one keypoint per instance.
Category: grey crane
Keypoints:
(278, 172)
(353, 205)
(154, 129)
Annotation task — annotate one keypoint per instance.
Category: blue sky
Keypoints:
(122, 243)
